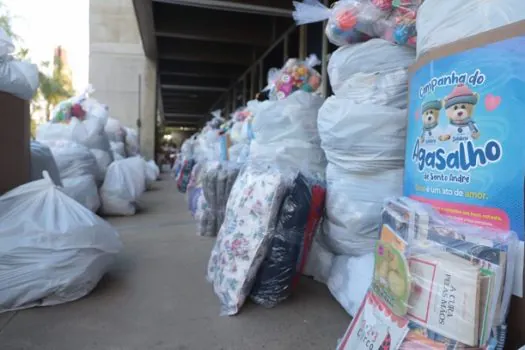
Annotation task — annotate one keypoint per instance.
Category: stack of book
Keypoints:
(451, 282)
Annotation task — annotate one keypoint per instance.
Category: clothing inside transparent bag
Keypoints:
(297, 222)
(245, 236)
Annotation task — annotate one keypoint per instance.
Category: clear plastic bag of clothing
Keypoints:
(245, 236)
(353, 21)
(297, 222)
(217, 183)
(52, 249)
(296, 75)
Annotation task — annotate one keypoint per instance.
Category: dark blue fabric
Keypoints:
(277, 272)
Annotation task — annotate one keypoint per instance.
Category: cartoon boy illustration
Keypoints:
(459, 108)
(430, 116)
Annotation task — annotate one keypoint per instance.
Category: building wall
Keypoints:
(117, 64)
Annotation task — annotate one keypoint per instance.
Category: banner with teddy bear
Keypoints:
(465, 152)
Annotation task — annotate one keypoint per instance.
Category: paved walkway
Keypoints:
(156, 297)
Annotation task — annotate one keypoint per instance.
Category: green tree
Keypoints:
(54, 88)
(5, 20)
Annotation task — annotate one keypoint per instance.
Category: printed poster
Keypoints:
(465, 151)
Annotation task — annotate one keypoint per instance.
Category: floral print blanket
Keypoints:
(244, 238)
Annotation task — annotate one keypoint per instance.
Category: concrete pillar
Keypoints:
(116, 62)
(148, 116)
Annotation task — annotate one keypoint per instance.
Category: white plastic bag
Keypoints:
(375, 71)
(442, 22)
(118, 148)
(286, 134)
(350, 279)
(89, 132)
(362, 137)
(292, 118)
(117, 156)
(84, 190)
(124, 184)
(115, 131)
(152, 173)
(153, 169)
(74, 160)
(353, 207)
(132, 142)
(42, 160)
(16, 77)
(103, 159)
(52, 249)
(319, 262)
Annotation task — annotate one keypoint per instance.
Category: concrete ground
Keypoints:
(156, 297)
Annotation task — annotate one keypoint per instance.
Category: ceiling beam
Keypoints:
(200, 110)
(193, 88)
(205, 81)
(185, 115)
(203, 51)
(260, 7)
(175, 124)
(200, 69)
(145, 19)
(208, 25)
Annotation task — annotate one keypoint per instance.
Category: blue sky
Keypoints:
(44, 24)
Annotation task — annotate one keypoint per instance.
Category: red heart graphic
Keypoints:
(492, 102)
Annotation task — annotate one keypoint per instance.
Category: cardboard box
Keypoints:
(15, 163)
(475, 71)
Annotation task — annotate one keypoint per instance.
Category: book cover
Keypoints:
(445, 297)
(374, 327)
(391, 280)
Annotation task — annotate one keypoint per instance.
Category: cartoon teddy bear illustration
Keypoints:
(430, 116)
(459, 108)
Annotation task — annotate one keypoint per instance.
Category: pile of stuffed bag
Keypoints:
(53, 247)
(277, 200)
(92, 157)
